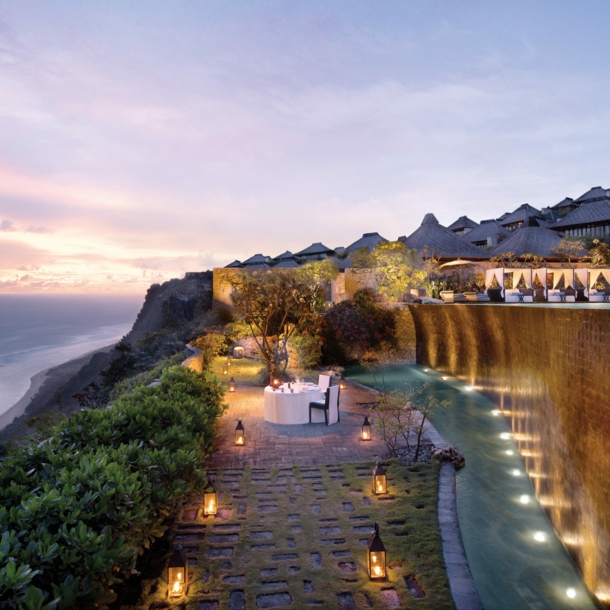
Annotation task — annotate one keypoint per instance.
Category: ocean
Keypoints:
(42, 331)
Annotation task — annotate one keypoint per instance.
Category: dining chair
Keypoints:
(330, 402)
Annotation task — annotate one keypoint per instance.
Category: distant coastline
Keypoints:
(43, 387)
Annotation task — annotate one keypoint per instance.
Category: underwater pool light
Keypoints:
(540, 537)
(516, 472)
(505, 436)
(510, 452)
(495, 412)
(524, 499)
(468, 388)
(571, 592)
(445, 377)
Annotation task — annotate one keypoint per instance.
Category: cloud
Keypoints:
(7, 225)
(14, 255)
(33, 229)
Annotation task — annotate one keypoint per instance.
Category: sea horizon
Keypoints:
(41, 331)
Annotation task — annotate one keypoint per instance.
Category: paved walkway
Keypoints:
(274, 445)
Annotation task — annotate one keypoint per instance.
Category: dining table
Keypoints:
(289, 403)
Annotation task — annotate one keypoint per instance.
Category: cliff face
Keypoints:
(170, 305)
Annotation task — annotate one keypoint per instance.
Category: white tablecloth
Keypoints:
(292, 407)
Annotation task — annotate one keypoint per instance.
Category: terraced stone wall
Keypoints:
(548, 370)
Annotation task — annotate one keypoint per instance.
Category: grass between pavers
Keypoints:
(281, 518)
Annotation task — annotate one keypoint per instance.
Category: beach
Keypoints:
(39, 398)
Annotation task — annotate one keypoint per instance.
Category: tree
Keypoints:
(275, 303)
(394, 268)
(600, 254)
(504, 259)
(569, 250)
(533, 261)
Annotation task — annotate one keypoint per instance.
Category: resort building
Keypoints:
(530, 238)
(488, 234)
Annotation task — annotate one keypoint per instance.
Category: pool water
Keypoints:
(517, 560)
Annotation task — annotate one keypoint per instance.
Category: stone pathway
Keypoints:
(296, 537)
(273, 445)
(295, 512)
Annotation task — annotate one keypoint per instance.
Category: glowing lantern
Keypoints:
(210, 500)
(276, 383)
(376, 555)
(225, 369)
(228, 360)
(232, 385)
(240, 437)
(177, 578)
(365, 434)
(380, 483)
(342, 384)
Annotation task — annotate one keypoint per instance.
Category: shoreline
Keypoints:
(44, 385)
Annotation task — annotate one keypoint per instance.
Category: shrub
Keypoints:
(308, 348)
(77, 508)
(211, 345)
(356, 326)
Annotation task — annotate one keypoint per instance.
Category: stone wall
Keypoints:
(548, 370)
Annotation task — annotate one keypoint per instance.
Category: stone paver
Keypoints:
(273, 445)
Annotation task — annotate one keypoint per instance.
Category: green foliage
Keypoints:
(77, 508)
(353, 327)
(212, 345)
(570, 249)
(309, 349)
(394, 268)
(600, 254)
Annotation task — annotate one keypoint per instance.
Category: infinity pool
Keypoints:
(515, 557)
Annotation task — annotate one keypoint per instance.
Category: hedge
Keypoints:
(77, 508)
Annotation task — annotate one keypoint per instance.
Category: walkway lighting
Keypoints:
(365, 433)
(210, 500)
(177, 577)
(240, 437)
(376, 555)
(228, 360)
(380, 482)
(232, 384)
(225, 369)
(342, 384)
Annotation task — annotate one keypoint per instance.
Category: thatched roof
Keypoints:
(286, 264)
(564, 203)
(597, 211)
(257, 259)
(368, 240)
(285, 256)
(463, 222)
(523, 212)
(530, 238)
(488, 228)
(595, 193)
(432, 239)
(317, 248)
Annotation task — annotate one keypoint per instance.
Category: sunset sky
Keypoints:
(142, 139)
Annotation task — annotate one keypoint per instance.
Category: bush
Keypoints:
(357, 326)
(211, 345)
(77, 508)
(308, 348)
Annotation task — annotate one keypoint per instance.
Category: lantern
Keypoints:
(376, 555)
(342, 383)
(276, 383)
(232, 384)
(225, 369)
(240, 438)
(228, 360)
(365, 434)
(380, 483)
(177, 577)
(210, 500)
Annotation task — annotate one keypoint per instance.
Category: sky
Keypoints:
(143, 139)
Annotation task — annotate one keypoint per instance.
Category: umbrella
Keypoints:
(459, 263)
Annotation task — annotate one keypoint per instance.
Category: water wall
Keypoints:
(548, 370)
